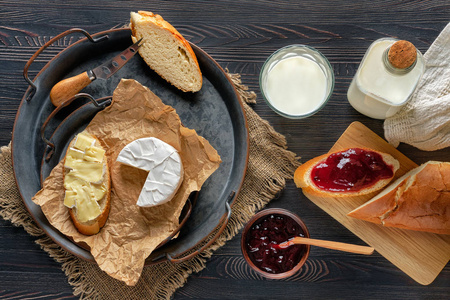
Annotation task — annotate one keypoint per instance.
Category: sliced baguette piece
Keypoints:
(303, 179)
(166, 51)
(93, 226)
(419, 200)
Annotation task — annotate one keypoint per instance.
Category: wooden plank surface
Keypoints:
(421, 255)
(239, 35)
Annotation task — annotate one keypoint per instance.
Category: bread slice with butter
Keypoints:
(166, 51)
(87, 183)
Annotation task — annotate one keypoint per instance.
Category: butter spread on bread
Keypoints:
(419, 200)
(86, 183)
(348, 172)
(166, 51)
(164, 165)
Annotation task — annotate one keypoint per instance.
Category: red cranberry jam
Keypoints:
(267, 232)
(350, 170)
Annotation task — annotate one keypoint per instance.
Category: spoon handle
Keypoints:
(333, 245)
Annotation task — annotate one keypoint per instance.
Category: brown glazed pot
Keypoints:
(256, 218)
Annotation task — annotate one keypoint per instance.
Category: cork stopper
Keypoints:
(402, 54)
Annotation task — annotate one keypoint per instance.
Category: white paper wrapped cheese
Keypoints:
(163, 163)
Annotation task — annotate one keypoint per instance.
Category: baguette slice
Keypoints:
(93, 226)
(166, 51)
(304, 180)
(419, 200)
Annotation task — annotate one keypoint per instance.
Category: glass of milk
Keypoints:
(296, 81)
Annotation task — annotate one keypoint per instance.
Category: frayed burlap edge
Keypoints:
(13, 209)
(268, 148)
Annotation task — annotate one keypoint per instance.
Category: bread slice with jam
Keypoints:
(345, 173)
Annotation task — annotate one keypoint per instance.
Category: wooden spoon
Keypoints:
(327, 244)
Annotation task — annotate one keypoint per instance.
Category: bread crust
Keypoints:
(303, 172)
(421, 201)
(380, 208)
(160, 22)
(93, 227)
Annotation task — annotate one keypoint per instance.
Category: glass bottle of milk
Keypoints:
(386, 78)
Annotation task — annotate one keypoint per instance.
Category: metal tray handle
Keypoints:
(46, 45)
(183, 221)
(210, 242)
(101, 102)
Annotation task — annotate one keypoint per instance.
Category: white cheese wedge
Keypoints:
(163, 163)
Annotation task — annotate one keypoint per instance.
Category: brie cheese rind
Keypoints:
(163, 163)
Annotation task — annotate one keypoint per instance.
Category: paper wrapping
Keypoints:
(131, 232)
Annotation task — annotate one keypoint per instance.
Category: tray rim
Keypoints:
(223, 218)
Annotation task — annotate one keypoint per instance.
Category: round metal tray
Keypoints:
(215, 112)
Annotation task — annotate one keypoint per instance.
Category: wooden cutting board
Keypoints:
(420, 255)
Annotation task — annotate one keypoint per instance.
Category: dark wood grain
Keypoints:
(239, 35)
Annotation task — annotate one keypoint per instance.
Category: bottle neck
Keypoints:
(393, 69)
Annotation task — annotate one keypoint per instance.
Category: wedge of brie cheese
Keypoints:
(163, 163)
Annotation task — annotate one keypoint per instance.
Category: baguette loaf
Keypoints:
(87, 183)
(166, 51)
(348, 172)
(419, 200)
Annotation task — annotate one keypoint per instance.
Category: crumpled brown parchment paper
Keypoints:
(131, 233)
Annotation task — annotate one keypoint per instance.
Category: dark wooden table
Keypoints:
(239, 35)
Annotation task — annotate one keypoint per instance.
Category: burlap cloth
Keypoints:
(270, 165)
